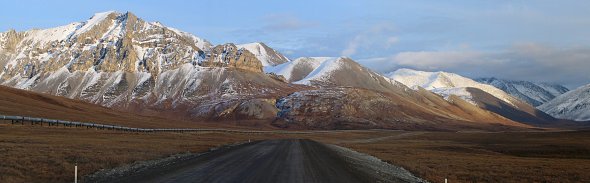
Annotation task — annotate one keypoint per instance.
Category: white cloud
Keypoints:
(529, 61)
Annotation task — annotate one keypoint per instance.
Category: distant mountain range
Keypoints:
(530, 92)
(122, 62)
(485, 96)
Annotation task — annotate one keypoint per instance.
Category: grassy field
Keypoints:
(487, 157)
(43, 154)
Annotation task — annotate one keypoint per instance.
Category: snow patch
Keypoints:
(322, 71)
(261, 53)
(286, 69)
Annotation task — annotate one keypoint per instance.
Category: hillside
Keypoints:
(530, 92)
(573, 105)
(482, 95)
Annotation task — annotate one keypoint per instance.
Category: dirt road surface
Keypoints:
(291, 161)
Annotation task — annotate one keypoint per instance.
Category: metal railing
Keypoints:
(54, 122)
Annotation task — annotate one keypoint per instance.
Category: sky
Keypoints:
(533, 40)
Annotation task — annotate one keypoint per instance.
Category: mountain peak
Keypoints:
(266, 55)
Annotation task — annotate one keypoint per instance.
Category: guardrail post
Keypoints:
(76, 174)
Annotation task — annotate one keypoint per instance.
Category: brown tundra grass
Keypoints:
(44, 154)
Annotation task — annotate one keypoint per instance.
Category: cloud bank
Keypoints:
(529, 61)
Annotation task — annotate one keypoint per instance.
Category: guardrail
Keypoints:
(54, 122)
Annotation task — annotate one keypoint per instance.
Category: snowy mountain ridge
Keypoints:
(322, 71)
(573, 105)
(530, 92)
(299, 68)
(266, 55)
(445, 84)
(119, 60)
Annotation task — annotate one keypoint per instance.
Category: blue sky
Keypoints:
(523, 40)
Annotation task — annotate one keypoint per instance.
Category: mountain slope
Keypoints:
(120, 61)
(484, 96)
(444, 82)
(297, 69)
(24, 103)
(350, 95)
(266, 55)
(344, 71)
(333, 72)
(573, 105)
(530, 92)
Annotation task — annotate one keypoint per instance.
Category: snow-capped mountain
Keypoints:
(530, 92)
(350, 92)
(333, 71)
(445, 84)
(573, 105)
(121, 61)
(266, 55)
(484, 96)
(118, 60)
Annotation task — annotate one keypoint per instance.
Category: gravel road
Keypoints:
(291, 160)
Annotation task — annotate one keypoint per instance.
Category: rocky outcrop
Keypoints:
(228, 55)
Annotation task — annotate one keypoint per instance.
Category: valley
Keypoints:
(35, 153)
(163, 105)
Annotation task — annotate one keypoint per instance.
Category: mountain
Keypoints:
(350, 95)
(529, 92)
(484, 96)
(445, 83)
(121, 61)
(573, 105)
(266, 55)
(343, 71)
(334, 72)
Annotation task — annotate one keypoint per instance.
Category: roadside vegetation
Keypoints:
(48, 154)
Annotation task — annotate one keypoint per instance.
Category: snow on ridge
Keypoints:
(43, 36)
(199, 42)
(457, 91)
(435, 81)
(286, 69)
(93, 21)
(260, 51)
(534, 93)
(65, 32)
(573, 105)
(324, 69)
